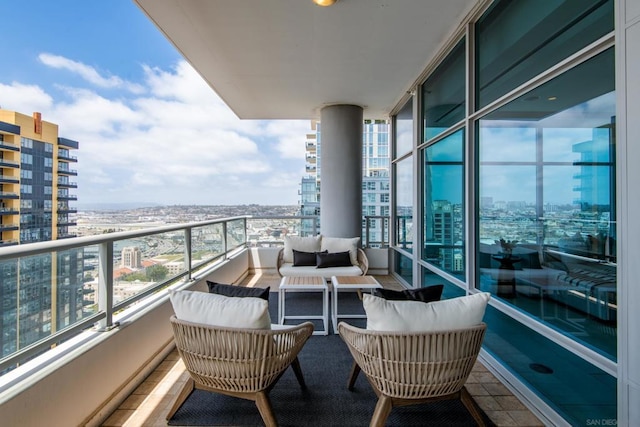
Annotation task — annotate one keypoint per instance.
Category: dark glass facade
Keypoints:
(513, 174)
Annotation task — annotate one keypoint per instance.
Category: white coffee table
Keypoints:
(349, 283)
(304, 284)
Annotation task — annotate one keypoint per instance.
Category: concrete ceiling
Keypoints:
(286, 59)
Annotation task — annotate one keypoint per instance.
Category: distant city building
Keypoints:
(375, 180)
(486, 202)
(40, 294)
(174, 267)
(131, 257)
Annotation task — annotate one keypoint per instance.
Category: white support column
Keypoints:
(628, 177)
(341, 171)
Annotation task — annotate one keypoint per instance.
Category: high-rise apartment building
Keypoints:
(375, 181)
(40, 294)
(131, 257)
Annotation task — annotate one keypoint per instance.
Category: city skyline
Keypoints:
(150, 128)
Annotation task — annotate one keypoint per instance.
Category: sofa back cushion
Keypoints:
(302, 244)
(340, 244)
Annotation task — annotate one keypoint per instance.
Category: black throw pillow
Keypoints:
(238, 291)
(333, 259)
(302, 259)
(428, 294)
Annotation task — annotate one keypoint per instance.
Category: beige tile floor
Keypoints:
(151, 401)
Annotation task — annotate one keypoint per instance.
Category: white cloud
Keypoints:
(24, 98)
(88, 73)
(176, 144)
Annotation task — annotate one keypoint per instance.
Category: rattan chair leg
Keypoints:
(266, 411)
(295, 365)
(471, 406)
(182, 396)
(382, 411)
(353, 376)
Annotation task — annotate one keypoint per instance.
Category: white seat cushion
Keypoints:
(288, 269)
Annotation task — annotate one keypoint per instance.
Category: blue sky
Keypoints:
(150, 130)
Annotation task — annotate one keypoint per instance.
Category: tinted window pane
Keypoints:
(404, 129)
(547, 190)
(516, 40)
(443, 233)
(444, 94)
(583, 394)
(404, 203)
(403, 266)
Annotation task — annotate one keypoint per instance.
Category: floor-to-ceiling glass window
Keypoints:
(402, 166)
(546, 182)
(444, 103)
(517, 40)
(541, 134)
(404, 203)
(546, 232)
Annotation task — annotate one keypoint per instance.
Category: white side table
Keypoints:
(349, 283)
(304, 284)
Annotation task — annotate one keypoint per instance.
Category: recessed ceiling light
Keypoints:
(552, 98)
(325, 2)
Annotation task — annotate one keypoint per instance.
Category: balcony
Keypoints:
(122, 342)
(9, 211)
(8, 164)
(9, 195)
(7, 179)
(67, 196)
(67, 210)
(8, 242)
(67, 157)
(65, 183)
(66, 171)
(6, 145)
(9, 227)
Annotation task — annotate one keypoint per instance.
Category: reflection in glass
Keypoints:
(403, 266)
(236, 235)
(443, 233)
(41, 295)
(444, 94)
(429, 278)
(404, 203)
(516, 40)
(143, 262)
(207, 243)
(404, 129)
(578, 390)
(547, 186)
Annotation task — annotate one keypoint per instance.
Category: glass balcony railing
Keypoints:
(9, 145)
(9, 179)
(56, 289)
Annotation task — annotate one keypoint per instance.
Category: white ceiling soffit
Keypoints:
(286, 59)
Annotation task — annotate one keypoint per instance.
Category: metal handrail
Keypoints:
(102, 319)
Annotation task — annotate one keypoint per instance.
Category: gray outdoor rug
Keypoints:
(326, 363)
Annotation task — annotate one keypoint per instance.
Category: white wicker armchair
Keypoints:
(244, 363)
(406, 368)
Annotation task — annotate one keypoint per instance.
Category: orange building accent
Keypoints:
(37, 123)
